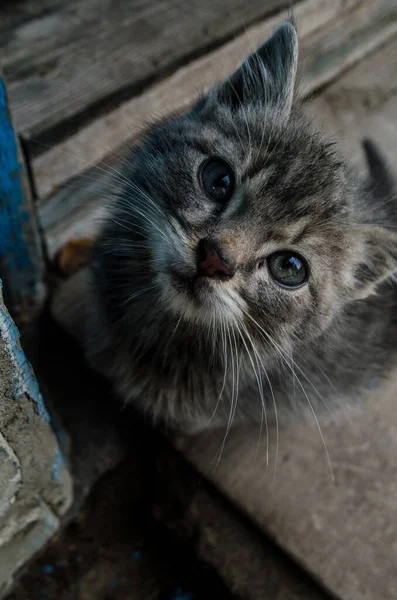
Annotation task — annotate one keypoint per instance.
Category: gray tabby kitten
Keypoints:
(242, 271)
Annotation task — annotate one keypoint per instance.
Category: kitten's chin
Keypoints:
(201, 299)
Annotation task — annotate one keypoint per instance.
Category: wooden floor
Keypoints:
(85, 77)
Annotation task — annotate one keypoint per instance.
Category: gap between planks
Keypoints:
(67, 63)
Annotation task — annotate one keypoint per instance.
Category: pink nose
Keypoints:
(210, 263)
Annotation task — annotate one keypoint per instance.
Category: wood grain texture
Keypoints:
(348, 109)
(21, 256)
(70, 58)
(333, 37)
(110, 134)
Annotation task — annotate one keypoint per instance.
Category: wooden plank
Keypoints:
(71, 209)
(75, 57)
(333, 37)
(111, 133)
(21, 256)
(362, 103)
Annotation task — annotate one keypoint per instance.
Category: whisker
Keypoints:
(260, 389)
(139, 293)
(225, 361)
(234, 386)
(280, 351)
(272, 395)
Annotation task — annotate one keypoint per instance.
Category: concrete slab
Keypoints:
(253, 567)
(35, 483)
(339, 517)
(29, 525)
(10, 475)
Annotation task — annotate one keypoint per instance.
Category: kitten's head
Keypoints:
(241, 215)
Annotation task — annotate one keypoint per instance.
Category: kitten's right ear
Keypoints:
(377, 260)
(266, 77)
(380, 177)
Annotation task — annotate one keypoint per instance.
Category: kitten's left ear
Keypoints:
(378, 260)
(267, 76)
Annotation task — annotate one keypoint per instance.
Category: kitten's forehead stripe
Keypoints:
(235, 206)
(304, 228)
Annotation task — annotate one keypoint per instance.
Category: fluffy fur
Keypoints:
(243, 348)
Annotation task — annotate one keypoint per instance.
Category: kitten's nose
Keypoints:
(210, 262)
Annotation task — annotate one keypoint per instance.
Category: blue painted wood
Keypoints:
(21, 257)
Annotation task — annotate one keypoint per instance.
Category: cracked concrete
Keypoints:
(35, 483)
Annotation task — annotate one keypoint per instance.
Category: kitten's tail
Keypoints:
(380, 178)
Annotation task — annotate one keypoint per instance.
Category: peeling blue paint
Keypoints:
(57, 465)
(60, 433)
(62, 439)
(13, 212)
(25, 381)
(59, 460)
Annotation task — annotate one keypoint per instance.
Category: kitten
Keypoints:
(242, 271)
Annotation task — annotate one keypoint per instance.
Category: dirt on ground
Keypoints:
(112, 550)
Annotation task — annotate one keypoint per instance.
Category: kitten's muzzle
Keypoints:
(211, 262)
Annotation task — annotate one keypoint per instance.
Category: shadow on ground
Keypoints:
(112, 551)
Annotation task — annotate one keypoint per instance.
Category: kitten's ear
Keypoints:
(267, 76)
(378, 260)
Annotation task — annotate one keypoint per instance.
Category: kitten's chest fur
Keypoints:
(190, 380)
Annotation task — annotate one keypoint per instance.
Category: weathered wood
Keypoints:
(21, 257)
(74, 57)
(334, 35)
(349, 109)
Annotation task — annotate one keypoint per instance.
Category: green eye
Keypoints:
(217, 179)
(288, 269)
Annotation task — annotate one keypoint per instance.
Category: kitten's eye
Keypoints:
(217, 179)
(288, 269)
